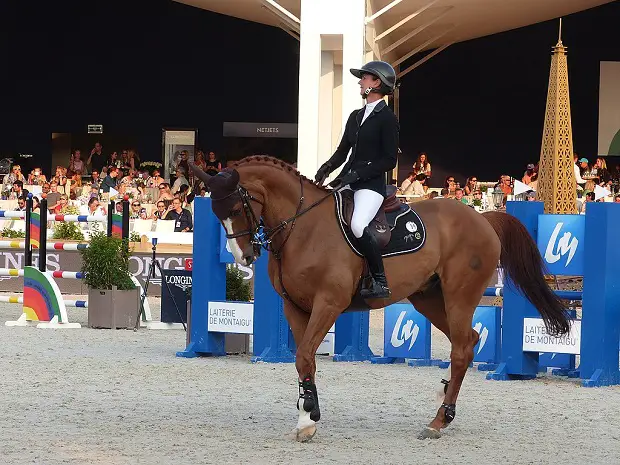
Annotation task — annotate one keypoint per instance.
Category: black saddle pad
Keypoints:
(408, 231)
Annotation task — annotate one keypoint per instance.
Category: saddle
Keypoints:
(380, 226)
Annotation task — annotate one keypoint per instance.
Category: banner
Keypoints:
(280, 130)
(72, 261)
(609, 109)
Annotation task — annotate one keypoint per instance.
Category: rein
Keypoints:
(263, 239)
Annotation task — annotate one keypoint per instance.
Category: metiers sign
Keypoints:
(281, 130)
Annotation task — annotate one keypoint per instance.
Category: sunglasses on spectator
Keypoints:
(135, 204)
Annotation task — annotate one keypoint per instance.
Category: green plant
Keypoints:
(68, 231)
(105, 263)
(10, 233)
(484, 189)
(477, 202)
(237, 288)
(135, 237)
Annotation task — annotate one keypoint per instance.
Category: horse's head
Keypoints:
(238, 211)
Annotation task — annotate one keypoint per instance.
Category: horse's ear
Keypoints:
(233, 180)
(199, 173)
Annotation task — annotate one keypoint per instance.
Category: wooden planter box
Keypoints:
(113, 309)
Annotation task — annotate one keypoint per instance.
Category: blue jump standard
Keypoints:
(600, 323)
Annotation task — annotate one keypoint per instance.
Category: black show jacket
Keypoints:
(374, 144)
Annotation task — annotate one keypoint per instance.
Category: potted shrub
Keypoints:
(113, 298)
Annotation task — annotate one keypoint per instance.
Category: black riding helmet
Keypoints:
(381, 70)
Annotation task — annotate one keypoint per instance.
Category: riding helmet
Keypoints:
(383, 71)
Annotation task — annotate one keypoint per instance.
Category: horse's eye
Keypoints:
(235, 212)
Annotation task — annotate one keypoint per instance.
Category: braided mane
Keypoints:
(276, 163)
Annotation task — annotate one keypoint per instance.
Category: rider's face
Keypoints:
(368, 80)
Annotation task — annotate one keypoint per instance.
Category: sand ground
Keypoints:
(121, 397)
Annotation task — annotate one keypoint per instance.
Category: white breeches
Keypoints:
(366, 206)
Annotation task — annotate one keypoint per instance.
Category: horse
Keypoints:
(263, 202)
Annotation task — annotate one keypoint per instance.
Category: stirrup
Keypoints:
(375, 291)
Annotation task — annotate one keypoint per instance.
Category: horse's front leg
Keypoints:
(325, 310)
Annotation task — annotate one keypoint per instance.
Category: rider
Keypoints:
(373, 134)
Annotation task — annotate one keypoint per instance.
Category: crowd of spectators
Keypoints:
(81, 186)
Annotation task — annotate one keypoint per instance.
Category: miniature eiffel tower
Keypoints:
(557, 186)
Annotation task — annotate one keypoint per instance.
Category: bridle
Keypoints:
(261, 235)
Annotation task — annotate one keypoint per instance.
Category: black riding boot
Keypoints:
(378, 288)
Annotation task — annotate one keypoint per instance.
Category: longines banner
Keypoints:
(72, 261)
(281, 130)
(609, 109)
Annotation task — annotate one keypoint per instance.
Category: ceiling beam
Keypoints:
(406, 20)
(421, 47)
(425, 59)
(286, 16)
(415, 32)
(385, 9)
(286, 29)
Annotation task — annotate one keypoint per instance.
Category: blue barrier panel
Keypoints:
(516, 364)
(406, 335)
(600, 322)
(561, 243)
(211, 276)
(562, 364)
(351, 339)
(487, 322)
(271, 330)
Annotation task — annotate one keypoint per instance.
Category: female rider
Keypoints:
(372, 132)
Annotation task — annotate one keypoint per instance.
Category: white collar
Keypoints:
(371, 106)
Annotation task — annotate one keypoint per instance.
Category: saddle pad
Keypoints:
(408, 231)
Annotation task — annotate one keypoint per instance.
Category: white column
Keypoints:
(321, 81)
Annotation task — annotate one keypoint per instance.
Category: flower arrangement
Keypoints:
(150, 166)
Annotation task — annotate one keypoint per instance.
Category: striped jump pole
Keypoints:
(11, 272)
(566, 295)
(12, 214)
(78, 218)
(51, 246)
(12, 299)
(65, 274)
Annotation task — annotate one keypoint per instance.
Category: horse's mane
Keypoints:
(276, 163)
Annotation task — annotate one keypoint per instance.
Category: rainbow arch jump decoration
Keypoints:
(43, 303)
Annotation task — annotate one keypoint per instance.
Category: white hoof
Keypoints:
(306, 428)
(429, 433)
(306, 434)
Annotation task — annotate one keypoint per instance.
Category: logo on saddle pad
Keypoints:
(411, 226)
(408, 331)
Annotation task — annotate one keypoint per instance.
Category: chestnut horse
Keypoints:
(318, 274)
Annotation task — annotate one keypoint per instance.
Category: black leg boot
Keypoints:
(378, 288)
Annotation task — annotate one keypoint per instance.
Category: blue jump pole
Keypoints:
(600, 322)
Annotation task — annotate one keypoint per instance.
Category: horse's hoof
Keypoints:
(306, 434)
(429, 433)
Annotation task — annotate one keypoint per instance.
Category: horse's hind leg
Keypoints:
(461, 294)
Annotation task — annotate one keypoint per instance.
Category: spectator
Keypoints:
(53, 197)
(528, 175)
(110, 180)
(21, 204)
(18, 190)
(93, 208)
(134, 212)
(36, 177)
(417, 186)
(76, 164)
(422, 166)
(160, 211)
(96, 160)
(62, 203)
(14, 175)
(407, 182)
(155, 180)
(213, 165)
(458, 195)
(471, 185)
(180, 180)
(181, 217)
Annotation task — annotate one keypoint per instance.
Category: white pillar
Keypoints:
(332, 33)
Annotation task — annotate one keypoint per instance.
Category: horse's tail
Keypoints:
(524, 266)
